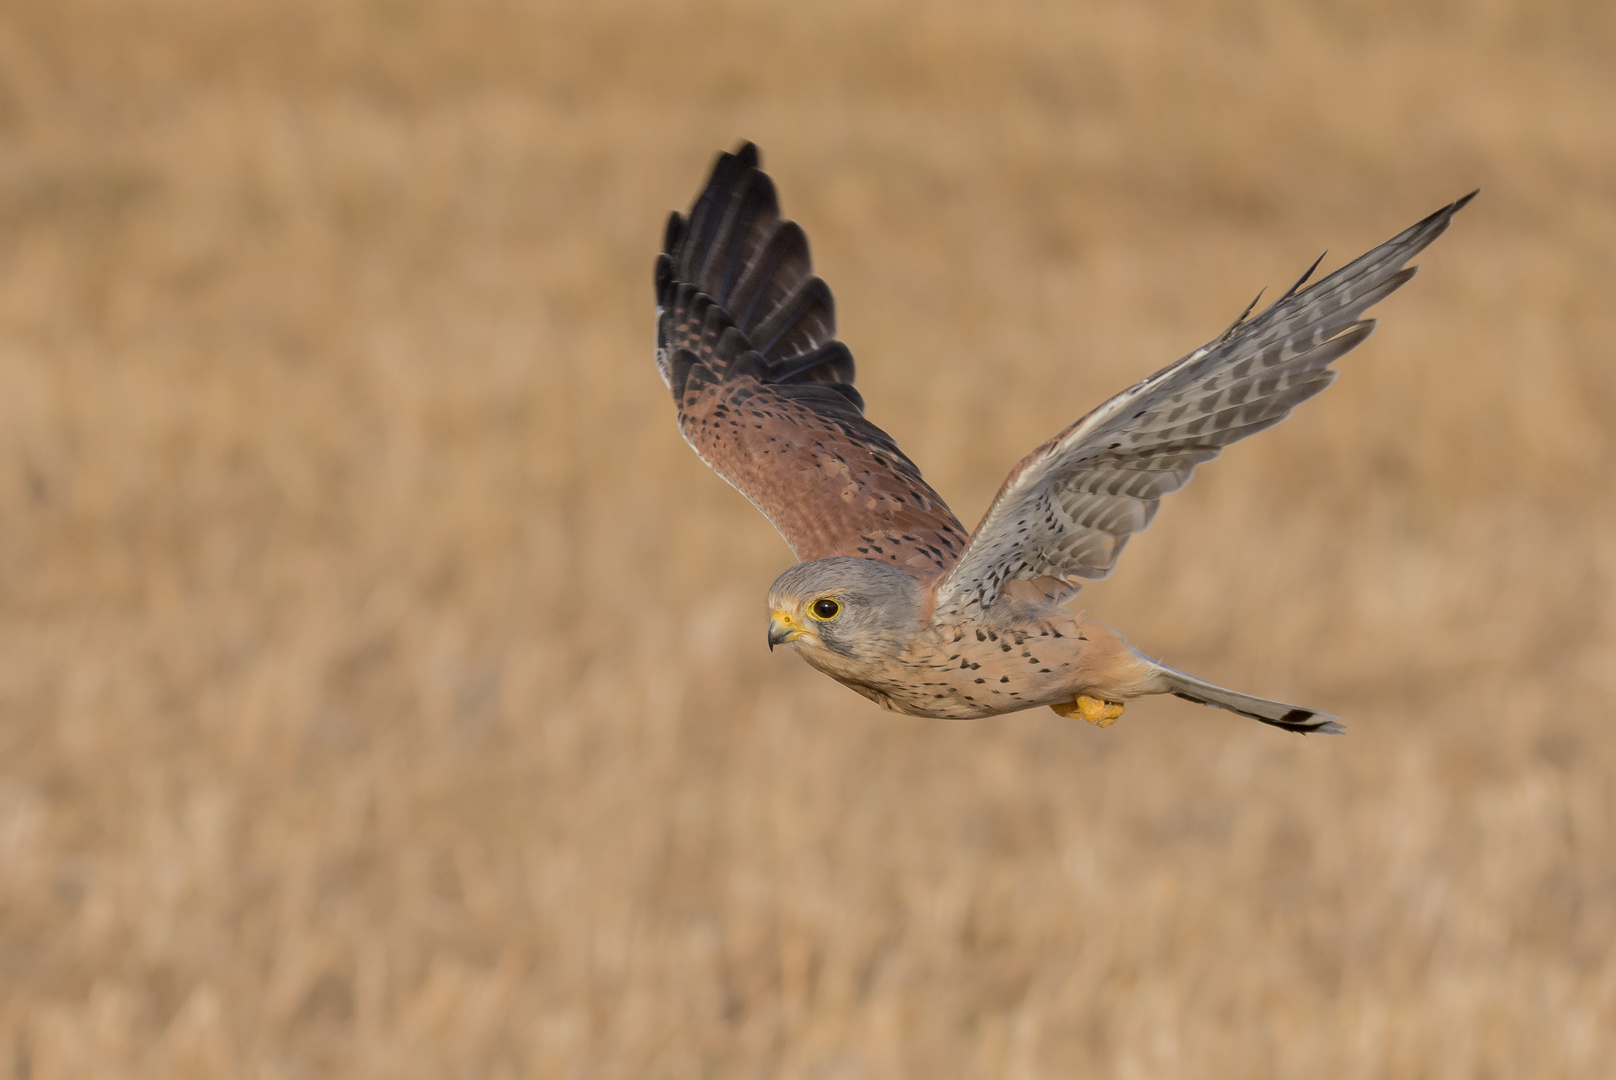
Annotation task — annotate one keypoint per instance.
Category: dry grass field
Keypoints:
(383, 690)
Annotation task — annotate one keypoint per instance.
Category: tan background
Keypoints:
(383, 690)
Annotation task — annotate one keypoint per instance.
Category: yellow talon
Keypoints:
(1097, 712)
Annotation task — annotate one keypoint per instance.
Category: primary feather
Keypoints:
(1066, 511)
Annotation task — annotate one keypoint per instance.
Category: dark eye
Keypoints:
(825, 608)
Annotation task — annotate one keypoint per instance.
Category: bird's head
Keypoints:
(841, 613)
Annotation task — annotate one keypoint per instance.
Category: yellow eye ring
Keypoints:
(824, 609)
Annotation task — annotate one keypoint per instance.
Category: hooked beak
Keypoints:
(783, 628)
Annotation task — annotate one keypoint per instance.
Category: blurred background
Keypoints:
(383, 690)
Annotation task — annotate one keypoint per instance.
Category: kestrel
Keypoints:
(891, 596)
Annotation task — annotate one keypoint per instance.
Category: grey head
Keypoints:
(844, 614)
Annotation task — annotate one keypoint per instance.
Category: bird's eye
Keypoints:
(825, 609)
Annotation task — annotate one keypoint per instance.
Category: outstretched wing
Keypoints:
(746, 340)
(1066, 511)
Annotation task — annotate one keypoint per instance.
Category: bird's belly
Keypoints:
(1000, 674)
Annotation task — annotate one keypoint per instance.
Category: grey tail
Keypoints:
(1290, 717)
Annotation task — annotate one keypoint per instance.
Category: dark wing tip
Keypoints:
(748, 154)
(674, 233)
(1306, 274)
(1241, 318)
(1434, 224)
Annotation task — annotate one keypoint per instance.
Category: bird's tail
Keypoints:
(1290, 717)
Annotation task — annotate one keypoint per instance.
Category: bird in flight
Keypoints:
(891, 596)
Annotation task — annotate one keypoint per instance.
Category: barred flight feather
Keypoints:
(1106, 472)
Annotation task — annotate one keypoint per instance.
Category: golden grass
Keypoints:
(383, 689)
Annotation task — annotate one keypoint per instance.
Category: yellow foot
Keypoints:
(1094, 710)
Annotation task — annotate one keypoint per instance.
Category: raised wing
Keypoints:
(1066, 511)
(746, 340)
